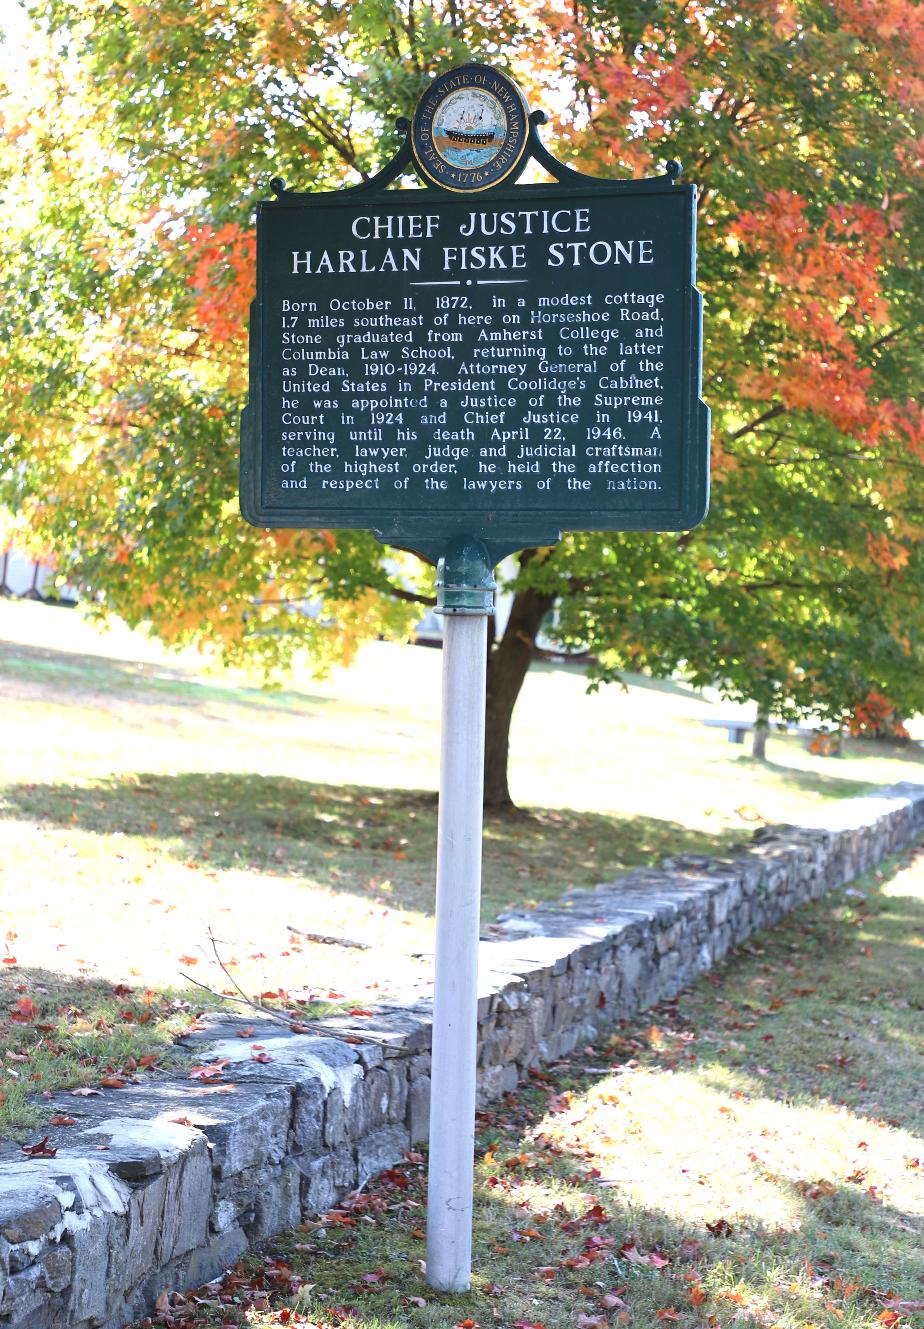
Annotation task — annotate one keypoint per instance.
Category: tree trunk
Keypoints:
(508, 661)
(761, 729)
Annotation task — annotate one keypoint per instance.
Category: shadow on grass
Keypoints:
(807, 1042)
(144, 683)
(298, 828)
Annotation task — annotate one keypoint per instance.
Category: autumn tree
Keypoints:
(134, 155)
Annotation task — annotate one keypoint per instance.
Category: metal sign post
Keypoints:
(468, 369)
(465, 596)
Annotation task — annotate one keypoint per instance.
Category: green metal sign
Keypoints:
(496, 360)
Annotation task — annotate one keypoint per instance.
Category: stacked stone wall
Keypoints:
(162, 1186)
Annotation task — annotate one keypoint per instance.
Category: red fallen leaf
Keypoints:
(210, 1071)
(246, 1033)
(41, 1150)
(528, 1324)
(547, 1271)
(632, 1253)
(358, 1011)
(376, 1276)
(120, 990)
(668, 1314)
(697, 1294)
(888, 1318)
(9, 959)
(285, 1315)
(720, 1228)
(63, 1121)
(23, 1012)
(348, 1038)
(300, 1029)
(147, 1061)
(112, 1082)
(180, 1121)
(466, 1324)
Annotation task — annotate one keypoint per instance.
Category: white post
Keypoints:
(455, 1007)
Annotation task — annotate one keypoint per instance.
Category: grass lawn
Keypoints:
(146, 803)
(749, 1155)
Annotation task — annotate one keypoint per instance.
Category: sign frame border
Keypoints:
(501, 532)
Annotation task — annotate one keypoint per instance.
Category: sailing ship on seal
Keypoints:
(471, 122)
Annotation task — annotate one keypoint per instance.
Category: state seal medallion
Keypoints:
(470, 129)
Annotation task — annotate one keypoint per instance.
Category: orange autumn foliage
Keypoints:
(223, 279)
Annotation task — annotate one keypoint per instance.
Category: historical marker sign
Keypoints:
(468, 369)
(508, 365)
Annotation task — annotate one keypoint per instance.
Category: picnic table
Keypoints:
(738, 726)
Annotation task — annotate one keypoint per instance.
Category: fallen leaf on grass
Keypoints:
(612, 1301)
(816, 1190)
(420, 1302)
(23, 1012)
(720, 1228)
(668, 1314)
(591, 1321)
(632, 1253)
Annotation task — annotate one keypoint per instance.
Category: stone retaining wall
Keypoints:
(162, 1186)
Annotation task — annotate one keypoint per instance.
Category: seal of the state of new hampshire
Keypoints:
(470, 129)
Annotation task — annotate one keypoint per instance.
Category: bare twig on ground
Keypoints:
(292, 1021)
(327, 940)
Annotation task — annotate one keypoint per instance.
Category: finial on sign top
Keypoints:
(278, 185)
(673, 170)
(403, 124)
(538, 118)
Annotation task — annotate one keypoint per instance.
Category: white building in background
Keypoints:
(26, 577)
